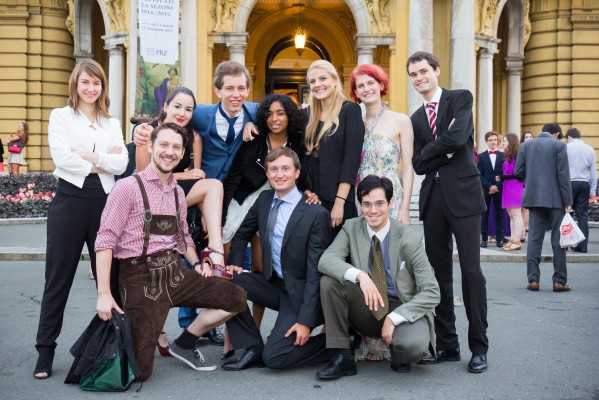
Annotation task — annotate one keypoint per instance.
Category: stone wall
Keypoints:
(36, 57)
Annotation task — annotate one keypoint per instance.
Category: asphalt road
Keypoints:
(542, 347)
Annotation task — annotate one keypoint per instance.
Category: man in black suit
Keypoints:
(293, 237)
(489, 165)
(451, 201)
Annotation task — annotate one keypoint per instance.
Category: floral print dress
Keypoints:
(380, 156)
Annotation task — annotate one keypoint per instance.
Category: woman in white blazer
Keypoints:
(86, 145)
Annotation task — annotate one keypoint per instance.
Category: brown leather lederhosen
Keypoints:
(152, 284)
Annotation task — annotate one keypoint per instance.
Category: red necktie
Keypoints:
(492, 151)
(432, 117)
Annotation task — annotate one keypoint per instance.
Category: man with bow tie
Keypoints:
(489, 165)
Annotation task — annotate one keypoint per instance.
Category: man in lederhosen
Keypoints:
(143, 225)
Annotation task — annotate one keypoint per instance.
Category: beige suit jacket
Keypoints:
(414, 279)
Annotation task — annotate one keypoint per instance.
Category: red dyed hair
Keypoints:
(373, 71)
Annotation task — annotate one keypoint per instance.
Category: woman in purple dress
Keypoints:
(513, 189)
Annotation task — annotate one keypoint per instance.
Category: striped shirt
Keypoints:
(122, 225)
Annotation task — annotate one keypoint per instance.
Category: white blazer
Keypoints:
(68, 131)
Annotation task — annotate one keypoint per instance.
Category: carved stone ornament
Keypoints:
(379, 16)
(488, 11)
(116, 16)
(223, 14)
(70, 23)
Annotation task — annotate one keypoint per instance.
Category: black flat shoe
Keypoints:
(227, 354)
(478, 363)
(249, 359)
(339, 366)
(442, 355)
(215, 336)
(401, 368)
(44, 365)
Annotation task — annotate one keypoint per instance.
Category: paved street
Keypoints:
(542, 347)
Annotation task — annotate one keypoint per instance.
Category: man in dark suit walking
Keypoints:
(451, 201)
(490, 166)
(293, 236)
(548, 196)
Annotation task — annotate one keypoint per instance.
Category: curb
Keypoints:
(22, 221)
(39, 254)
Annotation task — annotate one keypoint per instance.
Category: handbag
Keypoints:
(570, 233)
(15, 147)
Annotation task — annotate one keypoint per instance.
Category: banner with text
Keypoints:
(159, 30)
(158, 63)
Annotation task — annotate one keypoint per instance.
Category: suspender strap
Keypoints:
(179, 229)
(147, 215)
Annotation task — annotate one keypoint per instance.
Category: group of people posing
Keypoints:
(317, 193)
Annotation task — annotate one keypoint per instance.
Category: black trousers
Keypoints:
(279, 351)
(580, 194)
(439, 225)
(72, 222)
(484, 217)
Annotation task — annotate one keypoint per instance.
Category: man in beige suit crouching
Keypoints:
(387, 290)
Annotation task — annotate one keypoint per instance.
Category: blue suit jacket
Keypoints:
(217, 156)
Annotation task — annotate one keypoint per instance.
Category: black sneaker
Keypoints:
(192, 357)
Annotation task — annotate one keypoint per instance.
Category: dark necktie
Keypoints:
(432, 117)
(268, 236)
(379, 277)
(231, 121)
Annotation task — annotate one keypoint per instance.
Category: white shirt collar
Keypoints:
(382, 234)
(435, 99)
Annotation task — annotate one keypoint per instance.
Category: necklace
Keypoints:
(369, 130)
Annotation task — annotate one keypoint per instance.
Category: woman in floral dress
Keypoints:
(388, 138)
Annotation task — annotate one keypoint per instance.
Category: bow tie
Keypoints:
(492, 151)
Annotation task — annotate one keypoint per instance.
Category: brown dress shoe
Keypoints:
(561, 287)
(534, 286)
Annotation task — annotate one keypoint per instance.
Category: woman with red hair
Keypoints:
(389, 137)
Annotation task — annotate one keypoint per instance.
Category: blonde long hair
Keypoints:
(332, 120)
(92, 68)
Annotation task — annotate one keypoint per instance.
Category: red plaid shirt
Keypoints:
(122, 226)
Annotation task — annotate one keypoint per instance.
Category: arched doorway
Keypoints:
(285, 70)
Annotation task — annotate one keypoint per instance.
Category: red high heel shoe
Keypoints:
(217, 270)
(163, 350)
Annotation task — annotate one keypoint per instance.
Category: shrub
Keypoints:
(26, 195)
(44, 182)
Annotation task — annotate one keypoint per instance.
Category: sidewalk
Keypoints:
(25, 240)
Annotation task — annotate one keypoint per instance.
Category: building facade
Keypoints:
(527, 62)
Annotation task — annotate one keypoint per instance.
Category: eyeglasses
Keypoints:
(378, 204)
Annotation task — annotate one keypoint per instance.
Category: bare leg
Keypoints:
(516, 223)
(209, 194)
(14, 168)
(207, 320)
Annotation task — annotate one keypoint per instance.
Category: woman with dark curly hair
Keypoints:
(280, 123)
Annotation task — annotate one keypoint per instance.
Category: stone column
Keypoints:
(462, 55)
(366, 43)
(116, 73)
(420, 39)
(237, 44)
(485, 95)
(189, 45)
(514, 66)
